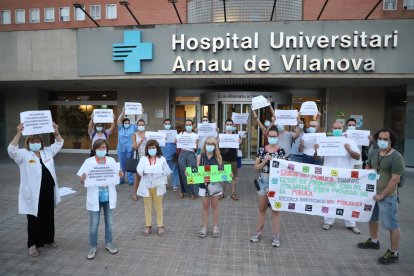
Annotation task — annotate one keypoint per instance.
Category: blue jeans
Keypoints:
(122, 157)
(174, 168)
(94, 217)
(310, 160)
(296, 158)
(386, 211)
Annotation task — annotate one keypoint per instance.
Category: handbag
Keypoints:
(132, 163)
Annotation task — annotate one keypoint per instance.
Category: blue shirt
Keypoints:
(169, 151)
(124, 137)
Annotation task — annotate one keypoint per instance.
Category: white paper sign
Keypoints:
(331, 146)
(36, 122)
(229, 141)
(240, 118)
(159, 136)
(170, 135)
(102, 175)
(259, 102)
(312, 138)
(186, 141)
(309, 108)
(359, 136)
(287, 117)
(133, 108)
(207, 129)
(103, 116)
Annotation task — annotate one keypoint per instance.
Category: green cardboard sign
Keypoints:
(208, 174)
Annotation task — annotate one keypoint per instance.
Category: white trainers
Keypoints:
(355, 229)
(91, 254)
(276, 240)
(111, 248)
(326, 226)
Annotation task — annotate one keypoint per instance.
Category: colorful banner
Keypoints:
(322, 191)
(208, 174)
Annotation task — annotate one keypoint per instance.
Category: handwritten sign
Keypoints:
(170, 135)
(286, 117)
(331, 146)
(259, 102)
(186, 141)
(36, 122)
(103, 116)
(229, 141)
(133, 108)
(240, 118)
(309, 108)
(359, 136)
(208, 174)
(322, 191)
(102, 174)
(160, 137)
(207, 129)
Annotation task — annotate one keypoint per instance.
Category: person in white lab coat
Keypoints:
(98, 197)
(153, 169)
(39, 191)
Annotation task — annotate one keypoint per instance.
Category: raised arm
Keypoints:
(121, 117)
(262, 127)
(112, 128)
(90, 126)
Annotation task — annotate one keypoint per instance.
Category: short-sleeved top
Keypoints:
(261, 154)
(141, 148)
(285, 141)
(344, 162)
(94, 135)
(124, 137)
(295, 145)
(387, 166)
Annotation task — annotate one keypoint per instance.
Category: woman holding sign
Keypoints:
(97, 131)
(153, 169)
(138, 144)
(39, 192)
(99, 197)
(262, 165)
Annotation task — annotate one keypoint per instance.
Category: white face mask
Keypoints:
(167, 126)
(351, 127)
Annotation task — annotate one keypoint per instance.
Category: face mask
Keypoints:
(126, 125)
(281, 127)
(152, 152)
(167, 126)
(188, 128)
(229, 128)
(351, 127)
(141, 128)
(311, 129)
(210, 148)
(267, 123)
(337, 132)
(204, 122)
(99, 129)
(100, 153)
(301, 126)
(35, 146)
(382, 144)
(272, 140)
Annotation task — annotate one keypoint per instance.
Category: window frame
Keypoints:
(74, 14)
(46, 19)
(407, 7)
(30, 15)
(60, 14)
(17, 17)
(388, 1)
(116, 11)
(2, 17)
(100, 11)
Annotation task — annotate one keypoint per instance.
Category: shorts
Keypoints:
(233, 167)
(263, 184)
(202, 192)
(386, 211)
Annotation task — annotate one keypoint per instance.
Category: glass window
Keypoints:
(34, 15)
(79, 14)
(96, 12)
(64, 14)
(49, 14)
(408, 4)
(20, 16)
(390, 5)
(5, 17)
(111, 11)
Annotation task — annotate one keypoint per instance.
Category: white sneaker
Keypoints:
(354, 229)
(111, 248)
(326, 226)
(91, 253)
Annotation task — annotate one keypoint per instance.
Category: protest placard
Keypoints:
(36, 122)
(259, 102)
(208, 174)
(322, 191)
(309, 108)
(207, 129)
(186, 141)
(103, 116)
(102, 174)
(160, 137)
(331, 146)
(286, 117)
(240, 118)
(171, 135)
(229, 141)
(133, 108)
(361, 137)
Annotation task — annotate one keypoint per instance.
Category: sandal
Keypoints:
(193, 197)
(234, 197)
(134, 197)
(216, 232)
(161, 231)
(202, 232)
(33, 251)
(147, 230)
(181, 196)
(222, 196)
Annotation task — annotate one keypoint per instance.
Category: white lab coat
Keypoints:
(31, 175)
(159, 169)
(92, 193)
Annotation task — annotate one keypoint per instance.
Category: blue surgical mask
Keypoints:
(188, 128)
(152, 152)
(100, 153)
(126, 125)
(229, 128)
(35, 146)
(210, 148)
(267, 123)
(383, 144)
(301, 126)
(99, 128)
(351, 127)
(337, 132)
(311, 129)
(272, 140)
(281, 127)
(141, 128)
(167, 127)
